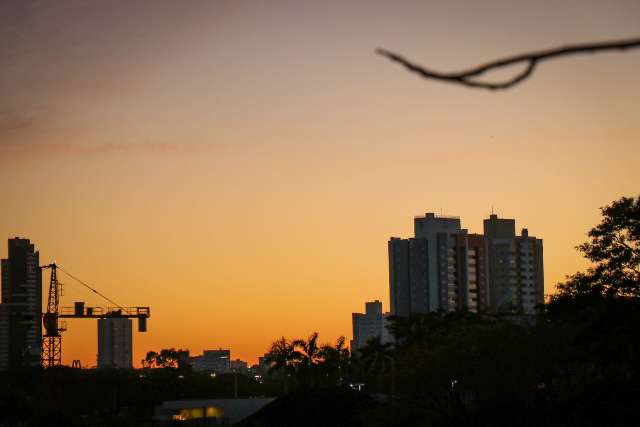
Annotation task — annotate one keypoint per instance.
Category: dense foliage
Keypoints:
(166, 358)
(303, 363)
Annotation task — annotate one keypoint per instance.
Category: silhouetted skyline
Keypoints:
(229, 162)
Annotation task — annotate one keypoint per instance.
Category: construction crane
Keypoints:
(52, 338)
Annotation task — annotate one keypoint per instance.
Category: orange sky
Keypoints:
(239, 166)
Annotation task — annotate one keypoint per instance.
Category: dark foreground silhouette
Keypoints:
(600, 406)
(576, 363)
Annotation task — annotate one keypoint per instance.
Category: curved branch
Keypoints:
(533, 58)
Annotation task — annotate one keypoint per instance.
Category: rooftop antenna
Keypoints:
(492, 212)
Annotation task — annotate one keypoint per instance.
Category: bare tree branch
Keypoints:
(533, 58)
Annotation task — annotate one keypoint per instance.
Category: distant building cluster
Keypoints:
(446, 268)
(220, 362)
(211, 361)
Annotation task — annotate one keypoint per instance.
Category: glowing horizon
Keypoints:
(239, 166)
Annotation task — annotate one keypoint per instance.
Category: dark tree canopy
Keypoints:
(166, 358)
(307, 363)
(614, 248)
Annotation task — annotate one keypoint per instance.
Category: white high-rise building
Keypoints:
(114, 343)
(370, 324)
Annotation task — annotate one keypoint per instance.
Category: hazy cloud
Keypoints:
(10, 122)
(35, 149)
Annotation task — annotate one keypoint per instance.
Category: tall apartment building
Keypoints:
(446, 268)
(370, 324)
(515, 266)
(20, 307)
(436, 234)
(423, 269)
(115, 347)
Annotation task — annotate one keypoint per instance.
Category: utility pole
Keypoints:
(235, 383)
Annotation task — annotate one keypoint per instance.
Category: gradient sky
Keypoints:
(239, 166)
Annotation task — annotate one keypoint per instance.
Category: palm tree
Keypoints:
(305, 359)
(378, 358)
(309, 357)
(283, 358)
(335, 359)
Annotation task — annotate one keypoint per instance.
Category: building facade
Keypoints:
(238, 366)
(529, 259)
(471, 286)
(21, 307)
(399, 276)
(217, 361)
(445, 268)
(439, 279)
(515, 267)
(115, 349)
(370, 324)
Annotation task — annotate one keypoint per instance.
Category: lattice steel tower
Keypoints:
(52, 340)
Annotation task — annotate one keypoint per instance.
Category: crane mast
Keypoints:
(52, 340)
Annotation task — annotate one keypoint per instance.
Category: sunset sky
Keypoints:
(239, 166)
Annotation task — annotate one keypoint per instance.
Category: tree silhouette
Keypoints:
(283, 359)
(310, 357)
(532, 59)
(614, 248)
(166, 358)
(378, 359)
(598, 311)
(310, 351)
(310, 364)
(334, 359)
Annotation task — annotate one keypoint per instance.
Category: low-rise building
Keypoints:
(208, 412)
(238, 365)
(217, 361)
